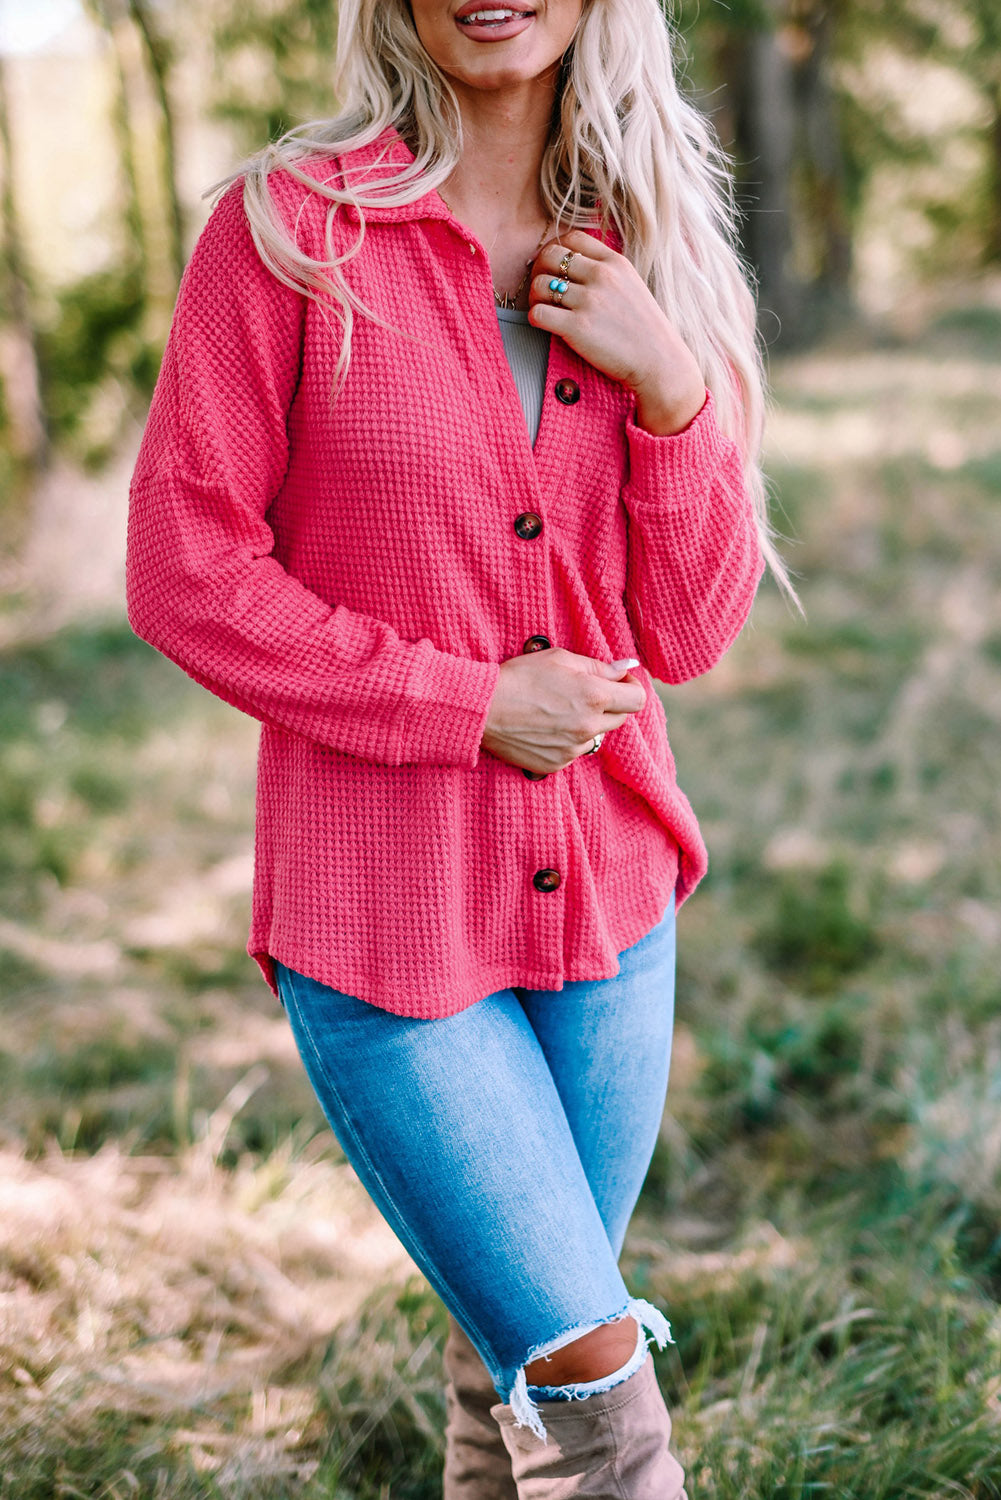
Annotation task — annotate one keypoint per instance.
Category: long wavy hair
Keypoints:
(627, 149)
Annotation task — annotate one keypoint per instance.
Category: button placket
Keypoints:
(535, 643)
(544, 868)
(559, 433)
(528, 526)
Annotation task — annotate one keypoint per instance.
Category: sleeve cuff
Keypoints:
(443, 710)
(678, 468)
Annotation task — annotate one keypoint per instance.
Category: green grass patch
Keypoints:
(815, 937)
(976, 329)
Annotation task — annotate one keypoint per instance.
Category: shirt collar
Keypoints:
(373, 163)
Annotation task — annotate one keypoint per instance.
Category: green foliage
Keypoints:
(378, 1432)
(836, 192)
(86, 1091)
(985, 473)
(94, 343)
(274, 66)
(385, 1416)
(975, 329)
(740, 15)
(961, 36)
(100, 680)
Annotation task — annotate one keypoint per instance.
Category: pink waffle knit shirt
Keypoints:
(350, 573)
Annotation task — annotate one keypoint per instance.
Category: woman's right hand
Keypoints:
(548, 706)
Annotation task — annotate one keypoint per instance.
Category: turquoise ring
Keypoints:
(557, 287)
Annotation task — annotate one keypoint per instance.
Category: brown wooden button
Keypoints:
(536, 643)
(528, 525)
(567, 391)
(546, 880)
(534, 775)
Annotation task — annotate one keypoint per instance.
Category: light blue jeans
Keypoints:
(506, 1146)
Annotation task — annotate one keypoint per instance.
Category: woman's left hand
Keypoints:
(609, 317)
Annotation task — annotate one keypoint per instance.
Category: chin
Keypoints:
(500, 80)
(497, 74)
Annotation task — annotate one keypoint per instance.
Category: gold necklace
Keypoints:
(510, 299)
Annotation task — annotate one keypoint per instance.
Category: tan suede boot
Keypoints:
(477, 1464)
(609, 1446)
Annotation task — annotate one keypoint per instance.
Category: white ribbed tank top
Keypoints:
(527, 351)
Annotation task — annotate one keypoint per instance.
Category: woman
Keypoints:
(452, 452)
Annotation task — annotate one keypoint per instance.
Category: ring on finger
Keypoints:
(596, 743)
(558, 288)
(565, 262)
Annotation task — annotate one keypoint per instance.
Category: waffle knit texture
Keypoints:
(350, 575)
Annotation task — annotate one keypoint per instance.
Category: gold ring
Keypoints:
(558, 289)
(565, 262)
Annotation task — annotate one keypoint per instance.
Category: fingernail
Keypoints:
(625, 664)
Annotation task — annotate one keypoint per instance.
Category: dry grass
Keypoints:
(183, 1297)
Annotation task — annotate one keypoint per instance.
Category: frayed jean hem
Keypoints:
(523, 1398)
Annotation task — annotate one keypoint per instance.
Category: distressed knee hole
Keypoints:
(579, 1349)
(594, 1355)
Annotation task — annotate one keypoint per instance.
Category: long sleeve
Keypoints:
(202, 584)
(694, 560)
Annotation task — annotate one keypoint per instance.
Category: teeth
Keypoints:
(490, 15)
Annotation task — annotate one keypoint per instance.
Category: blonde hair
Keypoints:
(626, 148)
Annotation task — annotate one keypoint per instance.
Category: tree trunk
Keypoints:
(780, 125)
(822, 210)
(158, 62)
(759, 81)
(26, 428)
(147, 162)
(134, 248)
(993, 248)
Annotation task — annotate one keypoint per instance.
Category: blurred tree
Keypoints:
(100, 338)
(806, 139)
(26, 435)
(797, 89)
(274, 64)
(983, 60)
(159, 58)
(966, 36)
(778, 114)
(146, 132)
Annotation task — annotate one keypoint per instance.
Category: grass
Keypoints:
(198, 1300)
